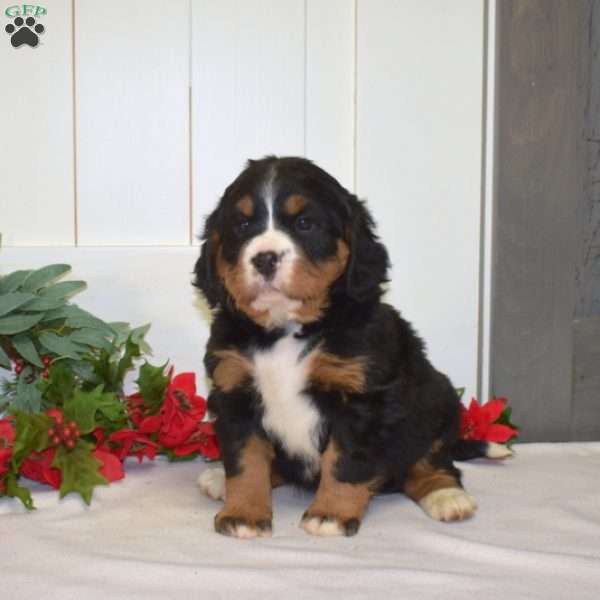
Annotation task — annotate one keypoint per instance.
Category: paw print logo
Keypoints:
(24, 32)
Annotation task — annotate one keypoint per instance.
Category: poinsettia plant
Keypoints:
(67, 421)
(490, 422)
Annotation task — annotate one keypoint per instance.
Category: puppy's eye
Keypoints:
(304, 224)
(241, 227)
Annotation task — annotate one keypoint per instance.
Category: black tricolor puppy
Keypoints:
(316, 382)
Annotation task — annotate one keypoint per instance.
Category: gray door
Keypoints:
(546, 268)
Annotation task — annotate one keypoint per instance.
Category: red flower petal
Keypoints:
(38, 466)
(186, 382)
(492, 410)
(499, 433)
(150, 424)
(112, 468)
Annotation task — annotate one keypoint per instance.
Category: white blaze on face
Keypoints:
(271, 295)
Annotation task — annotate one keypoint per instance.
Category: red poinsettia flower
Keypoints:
(478, 422)
(135, 406)
(38, 466)
(181, 411)
(202, 440)
(7, 440)
(129, 442)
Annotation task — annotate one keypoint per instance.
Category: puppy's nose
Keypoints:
(266, 264)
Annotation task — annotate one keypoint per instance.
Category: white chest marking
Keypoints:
(281, 376)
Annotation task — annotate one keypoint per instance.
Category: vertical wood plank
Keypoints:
(588, 271)
(248, 89)
(132, 74)
(419, 140)
(36, 151)
(330, 87)
(538, 184)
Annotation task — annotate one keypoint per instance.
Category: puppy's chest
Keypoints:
(281, 375)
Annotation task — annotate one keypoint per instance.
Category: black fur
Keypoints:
(408, 406)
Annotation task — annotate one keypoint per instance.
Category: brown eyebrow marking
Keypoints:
(246, 206)
(294, 204)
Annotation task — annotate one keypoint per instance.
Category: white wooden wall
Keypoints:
(122, 128)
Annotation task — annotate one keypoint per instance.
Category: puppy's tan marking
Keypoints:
(232, 369)
(338, 507)
(331, 372)
(294, 204)
(246, 206)
(248, 508)
(311, 283)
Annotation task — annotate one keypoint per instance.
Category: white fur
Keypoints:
(212, 483)
(281, 376)
(495, 450)
(328, 528)
(448, 504)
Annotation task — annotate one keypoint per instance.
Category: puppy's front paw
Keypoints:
(241, 526)
(212, 483)
(329, 525)
(448, 504)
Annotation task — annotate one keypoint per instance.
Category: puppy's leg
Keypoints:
(438, 491)
(212, 482)
(338, 507)
(247, 511)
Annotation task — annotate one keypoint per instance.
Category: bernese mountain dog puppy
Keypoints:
(315, 380)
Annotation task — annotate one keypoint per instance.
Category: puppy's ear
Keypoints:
(205, 270)
(368, 262)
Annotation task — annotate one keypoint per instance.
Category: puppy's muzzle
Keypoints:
(266, 264)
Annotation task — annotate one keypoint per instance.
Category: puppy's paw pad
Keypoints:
(212, 483)
(449, 504)
(242, 528)
(497, 451)
(327, 526)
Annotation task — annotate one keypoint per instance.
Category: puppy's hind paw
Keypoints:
(212, 483)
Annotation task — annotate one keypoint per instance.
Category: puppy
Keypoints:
(316, 381)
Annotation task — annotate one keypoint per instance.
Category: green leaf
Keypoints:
(83, 407)
(60, 385)
(122, 331)
(28, 397)
(138, 337)
(18, 323)
(26, 348)
(14, 490)
(132, 351)
(77, 317)
(12, 301)
(4, 359)
(61, 345)
(461, 392)
(63, 290)
(13, 281)
(41, 303)
(91, 337)
(31, 435)
(152, 383)
(38, 279)
(80, 470)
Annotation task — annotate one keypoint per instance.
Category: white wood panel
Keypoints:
(132, 74)
(419, 138)
(36, 142)
(330, 87)
(138, 285)
(248, 89)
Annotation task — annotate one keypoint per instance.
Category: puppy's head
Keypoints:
(284, 241)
